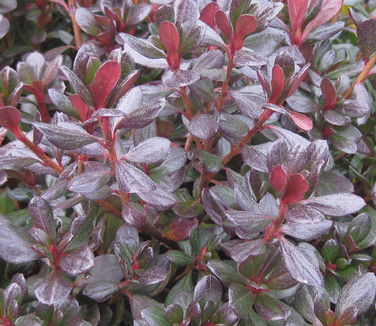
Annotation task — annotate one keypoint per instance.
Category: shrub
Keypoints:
(187, 162)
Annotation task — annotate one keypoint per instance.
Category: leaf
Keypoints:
(333, 204)
(359, 293)
(16, 245)
(62, 102)
(77, 262)
(296, 188)
(154, 316)
(208, 288)
(307, 230)
(203, 126)
(132, 180)
(158, 197)
(143, 52)
(169, 35)
(240, 299)
(211, 162)
(298, 265)
(208, 14)
(28, 320)
(7, 5)
(88, 182)
(106, 268)
(297, 11)
(366, 37)
(278, 83)
(254, 158)
(180, 78)
(10, 118)
(301, 120)
(225, 272)
(86, 21)
(223, 24)
(68, 136)
(245, 25)
(104, 82)
(101, 290)
(54, 289)
(329, 93)
(272, 309)
(331, 182)
(78, 86)
(186, 14)
(41, 214)
(4, 26)
(328, 10)
(138, 13)
(278, 178)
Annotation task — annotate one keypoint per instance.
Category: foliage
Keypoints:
(187, 163)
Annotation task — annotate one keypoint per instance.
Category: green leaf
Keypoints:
(241, 299)
(179, 258)
(154, 316)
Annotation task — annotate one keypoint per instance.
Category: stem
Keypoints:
(362, 76)
(186, 102)
(39, 152)
(76, 28)
(236, 150)
(225, 83)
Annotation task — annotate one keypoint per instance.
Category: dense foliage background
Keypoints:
(187, 162)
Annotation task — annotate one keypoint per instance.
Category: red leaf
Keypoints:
(301, 120)
(328, 10)
(278, 178)
(10, 118)
(208, 14)
(223, 24)
(297, 10)
(278, 83)
(104, 82)
(169, 35)
(245, 25)
(82, 108)
(296, 188)
(297, 79)
(180, 228)
(329, 93)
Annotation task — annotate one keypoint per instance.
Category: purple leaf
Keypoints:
(307, 230)
(67, 136)
(158, 197)
(78, 86)
(298, 265)
(54, 289)
(179, 78)
(77, 262)
(208, 288)
(106, 268)
(144, 52)
(203, 126)
(132, 179)
(4, 26)
(359, 293)
(366, 37)
(102, 290)
(152, 150)
(328, 10)
(334, 204)
(41, 214)
(16, 245)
